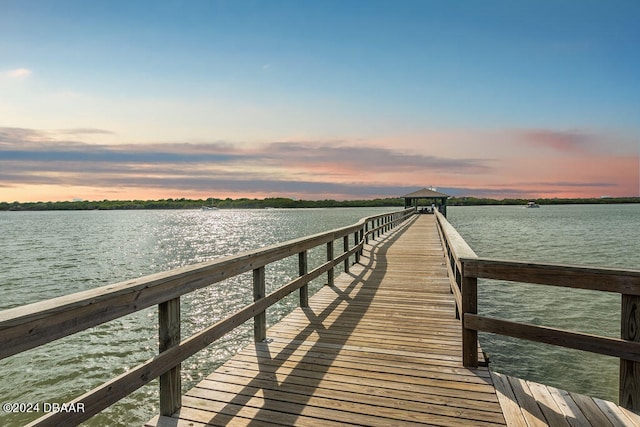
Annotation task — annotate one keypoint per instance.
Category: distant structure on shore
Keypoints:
(433, 199)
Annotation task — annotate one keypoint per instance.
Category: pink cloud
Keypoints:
(564, 141)
(496, 163)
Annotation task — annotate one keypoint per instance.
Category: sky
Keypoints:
(318, 99)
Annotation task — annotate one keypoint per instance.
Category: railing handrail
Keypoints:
(35, 316)
(465, 270)
(618, 280)
(33, 325)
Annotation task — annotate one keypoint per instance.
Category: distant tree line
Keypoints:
(243, 203)
(472, 201)
(281, 203)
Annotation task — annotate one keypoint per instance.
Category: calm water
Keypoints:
(598, 235)
(47, 254)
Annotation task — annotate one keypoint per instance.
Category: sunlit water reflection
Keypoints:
(48, 254)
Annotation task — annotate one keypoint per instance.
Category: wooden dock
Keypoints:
(380, 347)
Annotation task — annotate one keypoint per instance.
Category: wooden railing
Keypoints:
(33, 325)
(465, 268)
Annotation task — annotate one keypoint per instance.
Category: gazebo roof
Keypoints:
(425, 193)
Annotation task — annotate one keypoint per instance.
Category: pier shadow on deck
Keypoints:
(290, 370)
(380, 347)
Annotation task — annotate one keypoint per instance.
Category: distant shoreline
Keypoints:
(281, 203)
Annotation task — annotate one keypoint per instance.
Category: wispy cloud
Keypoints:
(311, 169)
(17, 73)
(84, 131)
(29, 156)
(564, 141)
(356, 157)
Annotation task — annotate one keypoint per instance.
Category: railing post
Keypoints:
(330, 258)
(469, 293)
(457, 278)
(345, 246)
(302, 270)
(260, 319)
(169, 336)
(366, 230)
(355, 243)
(629, 393)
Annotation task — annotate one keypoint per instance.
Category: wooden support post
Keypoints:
(330, 258)
(366, 232)
(361, 236)
(458, 282)
(355, 243)
(260, 319)
(169, 336)
(469, 336)
(302, 270)
(345, 247)
(629, 394)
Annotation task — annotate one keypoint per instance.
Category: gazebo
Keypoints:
(434, 198)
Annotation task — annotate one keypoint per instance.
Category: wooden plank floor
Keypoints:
(529, 404)
(379, 348)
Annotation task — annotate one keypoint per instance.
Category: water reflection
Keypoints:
(48, 254)
(598, 235)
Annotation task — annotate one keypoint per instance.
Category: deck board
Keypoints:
(379, 347)
(528, 404)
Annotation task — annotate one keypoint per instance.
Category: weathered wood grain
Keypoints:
(629, 394)
(167, 362)
(32, 325)
(303, 268)
(594, 278)
(381, 346)
(616, 347)
(529, 404)
(169, 336)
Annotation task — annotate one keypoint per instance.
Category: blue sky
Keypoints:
(499, 85)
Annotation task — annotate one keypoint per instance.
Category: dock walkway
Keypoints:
(380, 347)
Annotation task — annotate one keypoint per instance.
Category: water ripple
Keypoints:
(48, 254)
(598, 235)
